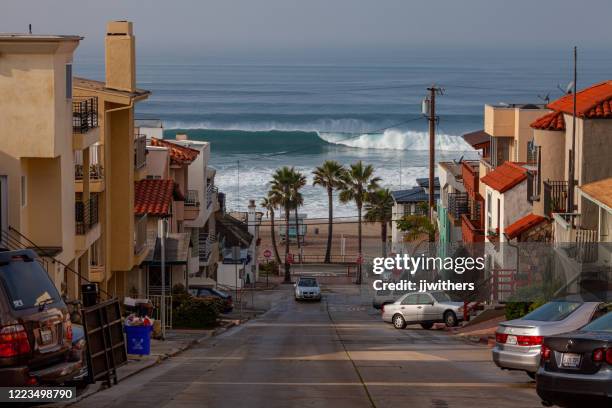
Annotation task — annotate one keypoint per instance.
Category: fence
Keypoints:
(84, 114)
(86, 214)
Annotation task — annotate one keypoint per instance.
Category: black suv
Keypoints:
(35, 327)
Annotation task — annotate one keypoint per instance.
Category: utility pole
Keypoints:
(429, 109)
(572, 158)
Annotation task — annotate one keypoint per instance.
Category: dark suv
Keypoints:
(35, 328)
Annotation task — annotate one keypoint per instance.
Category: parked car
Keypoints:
(423, 308)
(204, 291)
(307, 288)
(35, 327)
(576, 367)
(385, 297)
(518, 341)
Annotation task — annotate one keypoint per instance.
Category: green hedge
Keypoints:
(193, 312)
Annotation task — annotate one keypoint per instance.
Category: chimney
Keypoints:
(180, 136)
(251, 218)
(120, 56)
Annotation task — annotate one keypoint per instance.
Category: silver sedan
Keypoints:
(424, 308)
(518, 342)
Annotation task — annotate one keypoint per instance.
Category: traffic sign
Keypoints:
(267, 253)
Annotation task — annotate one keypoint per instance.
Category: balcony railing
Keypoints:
(578, 242)
(555, 197)
(457, 205)
(96, 168)
(86, 214)
(211, 191)
(84, 114)
(140, 151)
(140, 234)
(471, 230)
(192, 199)
(206, 244)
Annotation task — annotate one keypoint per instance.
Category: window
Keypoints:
(410, 300)
(424, 299)
(27, 284)
(553, 311)
(24, 191)
(69, 81)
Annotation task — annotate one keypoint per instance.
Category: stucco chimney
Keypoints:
(251, 217)
(180, 136)
(120, 56)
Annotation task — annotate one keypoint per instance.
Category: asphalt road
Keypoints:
(336, 353)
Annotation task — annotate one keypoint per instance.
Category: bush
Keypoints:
(195, 312)
(269, 268)
(516, 310)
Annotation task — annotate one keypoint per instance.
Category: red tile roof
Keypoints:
(178, 154)
(594, 102)
(506, 176)
(524, 224)
(153, 196)
(551, 121)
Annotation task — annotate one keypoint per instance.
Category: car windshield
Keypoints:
(219, 292)
(441, 297)
(603, 324)
(553, 311)
(27, 284)
(308, 282)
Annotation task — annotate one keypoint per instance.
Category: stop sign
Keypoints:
(290, 258)
(267, 253)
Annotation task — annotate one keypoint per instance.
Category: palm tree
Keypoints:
(379, 208)
(357, 181)
(415, 227)
(270, 205)
(328, 176)
(282, 192)
(298, 181)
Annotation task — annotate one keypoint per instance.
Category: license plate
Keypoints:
(511, 340)
(46, 336)
(571, 360)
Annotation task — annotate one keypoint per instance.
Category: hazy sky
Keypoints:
(247, 26)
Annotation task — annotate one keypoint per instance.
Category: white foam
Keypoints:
(398, 140)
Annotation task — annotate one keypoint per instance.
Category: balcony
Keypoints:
(86, 214)
(192, 205)
(470, 171)
(96, 169)
(555, 197)
(140, 234)
(84, 122)
(457, 205)
(84, 114)
(140, 151)
(471, 230)
(578, 243)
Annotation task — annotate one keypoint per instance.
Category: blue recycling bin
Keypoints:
(138, 339)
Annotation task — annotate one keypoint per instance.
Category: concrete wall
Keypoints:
(513, 205)
(158, 162)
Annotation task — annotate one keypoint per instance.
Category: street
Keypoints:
(337, 353)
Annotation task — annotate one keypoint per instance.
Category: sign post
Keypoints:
(267, 254)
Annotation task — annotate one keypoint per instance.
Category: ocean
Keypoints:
(260, 114)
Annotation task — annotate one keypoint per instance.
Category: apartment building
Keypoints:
(453, 202)
(37, 147)
(116, 162)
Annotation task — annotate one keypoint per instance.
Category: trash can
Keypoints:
(138, 339)
(90, 293)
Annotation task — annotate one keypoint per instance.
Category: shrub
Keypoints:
(269, 268)
(515, 310)
(196, 312)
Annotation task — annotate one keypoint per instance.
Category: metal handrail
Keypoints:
(192, 199)
(86, 214)
(140, 151)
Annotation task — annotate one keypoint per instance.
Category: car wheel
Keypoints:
(427, 326)
(399, 322)
(531, 375)
(450, 318)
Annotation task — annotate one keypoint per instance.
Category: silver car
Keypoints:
(518, 342)
(307, 288)
(424, 308)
